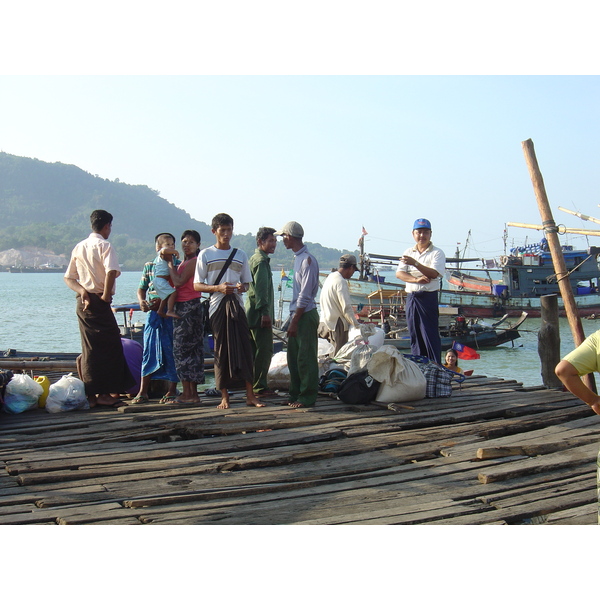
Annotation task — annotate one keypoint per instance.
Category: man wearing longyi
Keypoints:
(421, 268)
(91, 273)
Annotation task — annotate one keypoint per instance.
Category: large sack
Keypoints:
(401, 379)
(278, 377)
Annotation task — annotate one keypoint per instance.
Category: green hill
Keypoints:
(47, 205)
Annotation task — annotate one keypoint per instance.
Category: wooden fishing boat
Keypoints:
(473, 333)
(512, 285)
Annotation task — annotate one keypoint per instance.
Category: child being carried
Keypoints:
(162, 283)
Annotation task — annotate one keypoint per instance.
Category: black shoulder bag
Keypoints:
(205, 304)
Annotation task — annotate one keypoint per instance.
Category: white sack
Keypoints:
(401, 379)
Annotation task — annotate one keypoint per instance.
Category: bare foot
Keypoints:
(173, 315)
(224, 403)
(108, 400)
(296, 405)
(92, 401)
(254, 402)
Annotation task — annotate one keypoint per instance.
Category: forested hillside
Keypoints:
(47, 205)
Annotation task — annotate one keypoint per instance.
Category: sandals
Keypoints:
(213, 393)
(166, 399)
(140, 400)
(184, 402)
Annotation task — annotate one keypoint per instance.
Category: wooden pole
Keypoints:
(560, 229)
(558, 260)
(580, 215)
(549, 341)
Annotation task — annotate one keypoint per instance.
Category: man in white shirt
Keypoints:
(337, 313)
(91, 273)
(421, 268)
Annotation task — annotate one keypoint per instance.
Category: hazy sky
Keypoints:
(334, 152)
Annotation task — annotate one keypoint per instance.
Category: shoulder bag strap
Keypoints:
(225, 267)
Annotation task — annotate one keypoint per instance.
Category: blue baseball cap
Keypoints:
(422, 224)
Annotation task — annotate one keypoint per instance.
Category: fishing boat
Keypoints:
(469, 332)
(513, 284)
(523, 276)
(45, 268)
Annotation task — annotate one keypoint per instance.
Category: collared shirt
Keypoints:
(91, 260)
(432, 257)
(260, 301)
(147, 279)
(335, 302)
(306, 281)
(208, 266)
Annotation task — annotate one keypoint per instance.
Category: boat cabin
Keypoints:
(532, 274)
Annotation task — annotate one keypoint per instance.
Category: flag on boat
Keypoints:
(284, 277)
(464, 352)
(290, 279)
(362, 237)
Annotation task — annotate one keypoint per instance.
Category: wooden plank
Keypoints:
(532, 449)
(581, 455)
(586, 514)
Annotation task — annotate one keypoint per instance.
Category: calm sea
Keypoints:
(38, 314)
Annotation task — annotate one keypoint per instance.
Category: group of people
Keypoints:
(171, 290)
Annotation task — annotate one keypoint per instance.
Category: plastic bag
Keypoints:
(68, 393)
(22, 393)
(401, 379)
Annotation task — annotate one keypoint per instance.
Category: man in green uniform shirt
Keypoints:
(260, 306)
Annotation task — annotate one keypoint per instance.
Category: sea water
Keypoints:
(37, 314)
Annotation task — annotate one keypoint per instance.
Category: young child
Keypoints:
(162, 283)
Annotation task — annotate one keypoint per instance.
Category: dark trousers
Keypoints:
(422, 318)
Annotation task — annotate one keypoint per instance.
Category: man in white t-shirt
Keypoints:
(233, 349)
(337, 313)
(421, 268)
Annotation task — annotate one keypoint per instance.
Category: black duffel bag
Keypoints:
(359, 388)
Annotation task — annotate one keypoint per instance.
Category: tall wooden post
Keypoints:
(549, 341)
(560, 267)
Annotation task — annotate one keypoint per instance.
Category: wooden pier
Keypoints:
(493, 453)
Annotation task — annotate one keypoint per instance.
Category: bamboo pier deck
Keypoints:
(493, 453)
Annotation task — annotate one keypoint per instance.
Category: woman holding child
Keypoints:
(188, 333)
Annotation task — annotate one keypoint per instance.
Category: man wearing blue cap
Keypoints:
(421, 268)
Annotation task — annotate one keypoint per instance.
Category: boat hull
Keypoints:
(476, 340)
(471, 303)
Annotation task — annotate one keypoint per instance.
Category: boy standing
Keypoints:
(233, 351)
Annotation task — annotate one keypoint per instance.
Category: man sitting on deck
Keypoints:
(583, 360)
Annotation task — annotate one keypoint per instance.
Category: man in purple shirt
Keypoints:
(302, 332)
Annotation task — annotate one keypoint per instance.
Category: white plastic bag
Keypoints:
(68, 393)
(22, 393)
(401, 379)
(367, 333)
